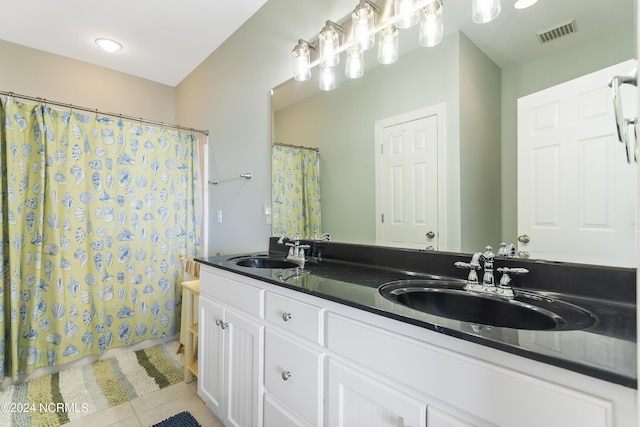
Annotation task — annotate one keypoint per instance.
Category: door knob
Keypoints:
(524, 238)
(431, 235)
(523, 254)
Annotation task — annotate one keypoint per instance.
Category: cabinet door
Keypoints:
(211, 355)
(244, 341)
(293, 375)
(356, 399)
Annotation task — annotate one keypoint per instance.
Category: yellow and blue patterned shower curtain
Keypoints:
(95, 215)
(295, 192)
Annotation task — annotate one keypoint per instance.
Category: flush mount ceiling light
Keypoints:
(357, 33)
(523, 4)
(108, 45)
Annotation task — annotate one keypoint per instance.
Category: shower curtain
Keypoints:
(96, 214)
(296, 192)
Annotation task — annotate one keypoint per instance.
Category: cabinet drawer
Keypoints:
(293, 375)
(459, 380)
(295, 316)
(239, 295)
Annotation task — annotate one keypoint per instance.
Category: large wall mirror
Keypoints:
(475, 76)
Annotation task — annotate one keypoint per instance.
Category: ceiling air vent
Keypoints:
(558, 31)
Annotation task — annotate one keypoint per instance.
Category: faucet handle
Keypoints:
(473, 267)
(505, 281)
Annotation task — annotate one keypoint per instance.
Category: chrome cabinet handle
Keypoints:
(223, 325)
(286, 317)
(524, 238)
(218, 322)
(286, 375)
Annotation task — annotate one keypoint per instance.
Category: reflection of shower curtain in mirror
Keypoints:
(295, 189)
(95, 214)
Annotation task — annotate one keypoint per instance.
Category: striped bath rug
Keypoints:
(52, 400)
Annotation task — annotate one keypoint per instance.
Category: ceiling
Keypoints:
(165, 40)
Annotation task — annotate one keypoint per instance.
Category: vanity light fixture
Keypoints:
(108, 45)
(431, 26)
(355, 63)
(302, 60)
(357, 33)
(327, 77)
(363, 25)
(484, 11)
(388, 45)
(406, 12)
(329, 43)
(523, 4)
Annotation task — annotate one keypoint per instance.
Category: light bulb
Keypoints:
(431, 26)
(355, 63)
(301, 61)
(485, 10)
(363, 25)
(329, 41)
(327, 77)
(406, 13)
(388, 45)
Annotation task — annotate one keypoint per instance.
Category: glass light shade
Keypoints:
(363, 21)
(327, 77)
(301, 62)
(485, 10)
(388, 45)
(406, 13)
(355, 63)
(431, 26)
(329, 41)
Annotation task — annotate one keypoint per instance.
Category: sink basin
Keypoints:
(264, 262)
(525, 311)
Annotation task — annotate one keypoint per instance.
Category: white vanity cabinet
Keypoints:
(301, 360)
(231, 349)
(294, 362)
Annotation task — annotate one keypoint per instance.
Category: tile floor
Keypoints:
(152, 408)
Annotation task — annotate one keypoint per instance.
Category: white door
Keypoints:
(576, 194)
(408, 190)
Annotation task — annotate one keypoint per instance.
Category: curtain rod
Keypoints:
(104, 113)
(296, 146)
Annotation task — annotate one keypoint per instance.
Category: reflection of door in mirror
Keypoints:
(407, 179)
(576, 194)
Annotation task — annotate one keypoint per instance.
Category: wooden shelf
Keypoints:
(194, 329)
(190, 294)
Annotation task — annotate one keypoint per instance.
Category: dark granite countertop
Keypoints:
(606, 350)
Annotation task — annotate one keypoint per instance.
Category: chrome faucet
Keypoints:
(296, 250)
(504, 289)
